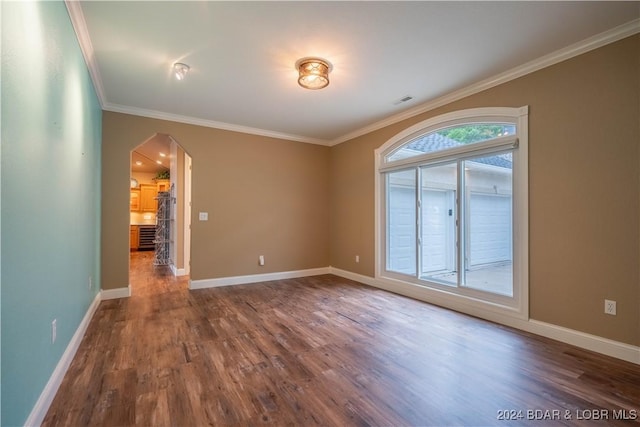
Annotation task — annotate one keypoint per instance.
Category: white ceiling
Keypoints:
(242, 56)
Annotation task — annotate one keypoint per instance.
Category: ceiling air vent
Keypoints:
(403, 99)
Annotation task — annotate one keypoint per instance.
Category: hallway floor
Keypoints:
(147, 279)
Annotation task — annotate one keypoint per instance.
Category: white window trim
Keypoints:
(455, 153)
(465, 300)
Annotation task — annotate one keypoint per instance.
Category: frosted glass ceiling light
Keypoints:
(313, 73)
(180, 70)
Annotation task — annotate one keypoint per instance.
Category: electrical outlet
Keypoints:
(54, 326)
(357, 258)
(261, 260)
(610, 307)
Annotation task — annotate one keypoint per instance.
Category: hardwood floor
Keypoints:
(325, 351)
(147, 279)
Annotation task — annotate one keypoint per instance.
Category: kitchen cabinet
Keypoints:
(148, 194)
(163, 185)
(134, 238)
(134, 200)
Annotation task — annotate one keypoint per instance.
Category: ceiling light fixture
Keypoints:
(313, 73)
(180, 70)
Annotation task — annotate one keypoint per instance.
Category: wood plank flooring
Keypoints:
(325, 351)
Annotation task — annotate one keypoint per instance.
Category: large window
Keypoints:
(453, 206)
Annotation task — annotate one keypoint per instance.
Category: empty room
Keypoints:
(403, 213)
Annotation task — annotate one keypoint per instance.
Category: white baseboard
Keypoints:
(255, 278)
(354, 276)
(177, 272)
(115, 293)
(580, 339)
(612, 348)
(594, 343)
(41, 407)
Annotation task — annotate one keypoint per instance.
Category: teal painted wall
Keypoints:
(50, 197)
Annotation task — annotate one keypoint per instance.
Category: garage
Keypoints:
(489, 229)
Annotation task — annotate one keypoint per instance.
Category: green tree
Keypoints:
(468, 134)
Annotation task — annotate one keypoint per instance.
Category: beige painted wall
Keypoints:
(306, 206)
(584, 164)
(264, 196)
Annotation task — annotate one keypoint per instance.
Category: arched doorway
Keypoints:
(160, 203)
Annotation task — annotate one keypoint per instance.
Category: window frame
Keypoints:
(461, 298)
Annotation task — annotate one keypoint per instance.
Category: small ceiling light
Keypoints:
(180, 70)
(313, 73)
(138, 162)
(163, 155)
(158, 162)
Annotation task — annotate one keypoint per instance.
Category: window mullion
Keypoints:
(418, 222)
(461, 223)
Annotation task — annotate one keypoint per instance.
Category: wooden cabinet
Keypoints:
(163, 184)
(134, 238)
(134, 200)
(143, 199)
(148, 194)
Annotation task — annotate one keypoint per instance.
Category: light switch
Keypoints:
(203, 216)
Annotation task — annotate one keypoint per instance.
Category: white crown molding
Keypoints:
(40, 409)
(82, 33)
(584, 46)
(153, 114)
(591, 43)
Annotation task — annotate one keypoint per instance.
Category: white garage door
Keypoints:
(490, 229)
(402, 230)
(438, 231)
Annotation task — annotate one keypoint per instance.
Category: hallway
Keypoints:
(147, 279)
